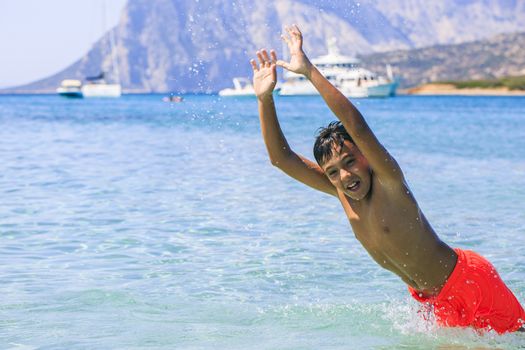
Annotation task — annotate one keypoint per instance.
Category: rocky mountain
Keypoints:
(497, 57)
(199, 45)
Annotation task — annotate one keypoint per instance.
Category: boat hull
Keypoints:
(234, 92)
(383, 90)
(69, 92)
(306, 89)
(101, 90)
(301, 88)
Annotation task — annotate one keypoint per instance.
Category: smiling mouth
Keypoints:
(353, 186)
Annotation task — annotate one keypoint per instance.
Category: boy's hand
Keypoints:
(264, 76)
(299, 63)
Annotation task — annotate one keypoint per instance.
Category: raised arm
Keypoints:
(281, 156)
(381, 162)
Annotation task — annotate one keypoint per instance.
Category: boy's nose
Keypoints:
(345, 174)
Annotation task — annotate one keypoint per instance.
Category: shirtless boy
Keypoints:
(463, 288)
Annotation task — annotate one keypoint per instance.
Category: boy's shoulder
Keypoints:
(392, 188)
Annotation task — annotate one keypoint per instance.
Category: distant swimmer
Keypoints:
(173, 99)
(462, 288)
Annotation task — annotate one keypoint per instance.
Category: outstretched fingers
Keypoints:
(254, 65)
(286, 39)
(295, 34)
(261, 59)
(274, 56)
(297, 31)
(266, 58)
(293, 37)
(289, 37)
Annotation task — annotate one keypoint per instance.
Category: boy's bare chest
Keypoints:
(396, 234)
(385, 220)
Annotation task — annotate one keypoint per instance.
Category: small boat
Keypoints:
(241, 87)
(173, 98)
(70, 88)
(345, 73)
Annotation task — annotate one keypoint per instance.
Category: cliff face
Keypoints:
(497, 57)
(198, 46)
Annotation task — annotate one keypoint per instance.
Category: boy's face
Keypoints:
(348, 170)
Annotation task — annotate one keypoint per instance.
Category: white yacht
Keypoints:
(345, 73)
(98, 87)
(241, 87)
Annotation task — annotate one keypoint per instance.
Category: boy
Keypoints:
(463, 288)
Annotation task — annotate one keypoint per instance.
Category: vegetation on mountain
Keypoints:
(511, 83)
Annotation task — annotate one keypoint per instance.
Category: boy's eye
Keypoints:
(332, 173)
(349, 161)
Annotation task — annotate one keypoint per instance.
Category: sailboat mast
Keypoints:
(115, 71)
(114, 55)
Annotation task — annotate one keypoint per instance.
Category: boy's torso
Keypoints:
(394, 231)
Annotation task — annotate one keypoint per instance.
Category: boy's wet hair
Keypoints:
(334, 134)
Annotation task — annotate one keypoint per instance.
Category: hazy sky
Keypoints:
(41, 37)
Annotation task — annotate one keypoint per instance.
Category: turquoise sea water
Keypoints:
(138, 224)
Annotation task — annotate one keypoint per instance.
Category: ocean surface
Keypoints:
(138, 224)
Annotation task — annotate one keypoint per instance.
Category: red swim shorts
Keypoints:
(475, 296)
